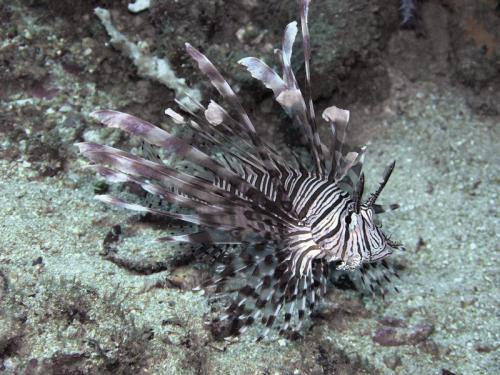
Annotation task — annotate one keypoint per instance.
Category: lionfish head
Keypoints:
(363, 239)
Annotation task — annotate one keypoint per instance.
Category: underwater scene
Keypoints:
(249, 187)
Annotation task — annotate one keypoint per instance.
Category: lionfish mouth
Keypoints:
(251, 200)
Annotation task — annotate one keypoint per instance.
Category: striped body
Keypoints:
(293, 221)
(320, 208)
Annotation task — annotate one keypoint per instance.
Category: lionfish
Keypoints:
(290, 223)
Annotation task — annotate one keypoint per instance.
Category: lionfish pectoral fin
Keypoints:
(202, 238)
(375, 277)
(270, 290)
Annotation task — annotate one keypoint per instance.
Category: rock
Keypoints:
(420, 333)
(392, 321)
(390, 336)
(392, 361)
(387, 336)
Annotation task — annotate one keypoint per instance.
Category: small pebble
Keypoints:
(387, 336)
(392, 361)
(421, 333)
(392, 321)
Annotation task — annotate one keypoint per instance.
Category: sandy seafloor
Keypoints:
(67, 310)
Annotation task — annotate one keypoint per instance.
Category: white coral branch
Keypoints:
(150, 67)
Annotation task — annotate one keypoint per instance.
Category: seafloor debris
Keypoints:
(391, 336)
(4, 286)
(408, 12)
(139, 5)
